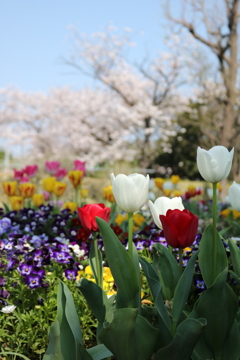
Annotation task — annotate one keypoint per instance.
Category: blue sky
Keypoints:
(34, 36)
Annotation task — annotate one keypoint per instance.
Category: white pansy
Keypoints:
(8, 309)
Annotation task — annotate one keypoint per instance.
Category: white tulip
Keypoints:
(162, 205)
(8, 309)
(215, 164)
(130, 192)
(234, 195)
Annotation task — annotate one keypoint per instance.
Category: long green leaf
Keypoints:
(97, 300)
(99, 352)
(155, 288)
(206, 259)
(167, 270)
(218, 305)
(187, 335)
(121, 265)
(182, 289)
(235, 256)
(66, 330)
(129, 336)
(231, 348)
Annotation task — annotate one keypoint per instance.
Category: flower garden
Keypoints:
(146, 272)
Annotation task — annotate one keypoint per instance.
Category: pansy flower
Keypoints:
(70, 274)
(33, 281)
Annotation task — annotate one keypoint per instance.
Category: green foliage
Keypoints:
(26, 329)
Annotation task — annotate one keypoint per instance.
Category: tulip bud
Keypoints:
(234, 195)
(38, 199)
(179, 227)
(87, 215)
(10, 187)
(130, 192)
(215, 164)
(48, 183)
(162, 205)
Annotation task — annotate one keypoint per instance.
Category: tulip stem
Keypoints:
(130, 233)
(99, 279)
(214, 239)
(180, 252)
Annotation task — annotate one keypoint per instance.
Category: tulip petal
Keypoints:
(155, 214)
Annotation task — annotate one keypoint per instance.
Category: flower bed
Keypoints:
(59, 265)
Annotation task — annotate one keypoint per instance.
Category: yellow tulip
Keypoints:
(176, 193)
(16, 202)
(27, 190)
(159, 182)
(108, 194)
(59, 188)
(70, 205)
(175, 179)
(38, 199)
(84, 193)
(48, 183)
(75, 176)
(10, 187)
(167, 192)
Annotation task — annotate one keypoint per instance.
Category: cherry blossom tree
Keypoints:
(214, 25)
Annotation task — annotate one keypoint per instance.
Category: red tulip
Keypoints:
(87, 215)
(179, 227)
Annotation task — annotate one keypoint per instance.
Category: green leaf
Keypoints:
(218, 305)
(54, 351)
(235, 256)
(66, 330)
(6, 208)
(231, 349)
(205, 256)
(167, 270)
(99, 352)
(129, 336)
(163, 319)
(96, 298)
(121, 265)
(187, 335)
(182, 289)
(14, 353)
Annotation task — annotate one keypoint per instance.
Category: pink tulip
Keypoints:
(24, 179)
(60, 174)
(46, 195)
(80, 165)
(18, 174)
(52, 166)
(31, 170)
